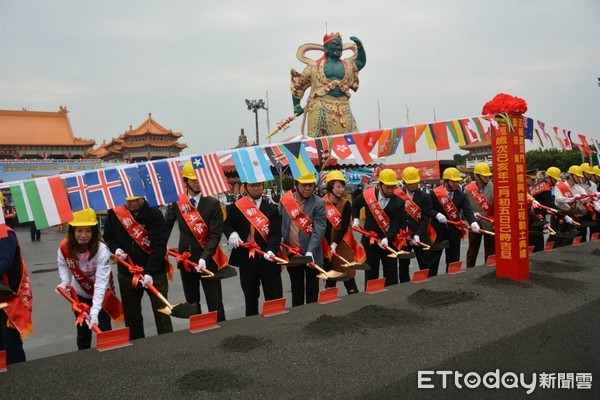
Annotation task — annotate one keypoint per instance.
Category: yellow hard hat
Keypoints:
(410, 175)
(1, 200)
(482, 169)
(451, 174)
(576, 170)
(85, 217)
(188, 171)
(132, 198)
(388, 177)
(335, 176)
(596, 170)
(553, 172)
(587, 168)
(309, 178)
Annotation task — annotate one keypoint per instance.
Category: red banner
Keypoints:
(510, 197)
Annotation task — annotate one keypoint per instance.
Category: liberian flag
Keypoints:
(210, 174)
(162, 181)
(43, 200)
(76, 188)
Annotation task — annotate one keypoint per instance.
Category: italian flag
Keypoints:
(42, 200)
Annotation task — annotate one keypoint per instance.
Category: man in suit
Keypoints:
(385, 215)
(417, 204)
(448, 201)
(480, 194)
(303, 224)
(122, 235)
(200, 222)
(258, 222)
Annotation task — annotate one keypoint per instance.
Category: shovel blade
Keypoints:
(166, 310)
(110, 340)
(444, 244)
(361, 267)
(333, 276)
(405, 255)
(299, 260)
(226, 272)
(183, 310)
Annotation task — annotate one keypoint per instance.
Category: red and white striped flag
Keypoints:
(210, 174)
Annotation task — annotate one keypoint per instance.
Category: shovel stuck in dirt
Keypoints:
(179, 310)
(108, 340)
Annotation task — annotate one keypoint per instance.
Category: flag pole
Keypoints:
(408, 124)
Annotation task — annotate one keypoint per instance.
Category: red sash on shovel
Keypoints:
(20, 304)
(301, 220)
(139, 234)
(257, 219)
(334, 216)
(414, 211)
(449, 208)
(111, 303)
(198, 227)
(480, 199)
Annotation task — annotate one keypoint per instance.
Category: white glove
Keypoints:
(147, 280)
(356, 223)
(441, 218)
(234, 240)
(121, 254)
(63, 285)
(416, 239)
(93, 320)
(475, 227)
(201, 266)
(269, 256)
(597, 205)
(309, 254)
(333, 247)
(568, 220)
(384, 242)
(535, 204)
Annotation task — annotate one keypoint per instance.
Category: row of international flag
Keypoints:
(52, 200)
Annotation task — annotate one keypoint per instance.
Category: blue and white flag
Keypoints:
(104, 189)
(132, 182)
(251, 165)
(162, 181)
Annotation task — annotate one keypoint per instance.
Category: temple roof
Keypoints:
(38, 128)
(486, 142)
(150, 126)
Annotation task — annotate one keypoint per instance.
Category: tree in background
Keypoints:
(542, 159)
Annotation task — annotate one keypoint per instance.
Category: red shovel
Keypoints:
(226, 272)
(373, 238)
(253, 248)
(333, 275)
(461, 224)
(104, 340)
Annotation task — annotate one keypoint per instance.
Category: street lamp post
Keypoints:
(254, 106)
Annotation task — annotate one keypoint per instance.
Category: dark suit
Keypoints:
(546, 198)
(314, 208)
(255, 270)
(423, 200)
(448, 232)
(115, 236)
(210, 211)
(375, 254)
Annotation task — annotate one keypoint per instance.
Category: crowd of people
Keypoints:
(401, 216)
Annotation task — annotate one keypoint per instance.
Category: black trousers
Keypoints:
(375, 256)
(452, 253)
(255, 272)
(489, 247)
(191, 282)
(10, 340)
(84, 333)
(304, 278)
(132, 305)
(423, 259)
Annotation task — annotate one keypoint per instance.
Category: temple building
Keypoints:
(149, 141)
(40, 135)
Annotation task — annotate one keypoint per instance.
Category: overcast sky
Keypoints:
(193, 63)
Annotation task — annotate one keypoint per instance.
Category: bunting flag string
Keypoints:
(161, 183)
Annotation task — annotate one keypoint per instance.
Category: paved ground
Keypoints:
(364, 346)
(53, 321)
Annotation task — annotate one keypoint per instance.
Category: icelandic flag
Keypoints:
(76, 188)
(251, 165)
(104, 189)
(132, 182)
(162, 181)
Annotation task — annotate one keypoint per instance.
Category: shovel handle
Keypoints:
(425, 246)
(342, 259)
(71, 300)
(484, 218)
(158, 294)
(3, 305)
